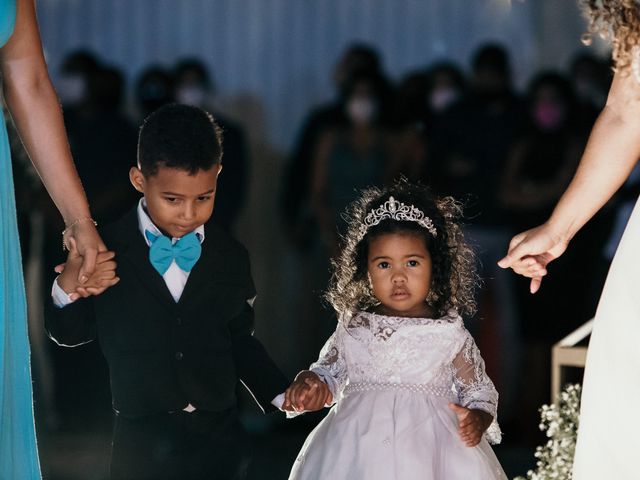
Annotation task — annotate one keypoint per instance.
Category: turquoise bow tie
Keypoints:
(185, 251)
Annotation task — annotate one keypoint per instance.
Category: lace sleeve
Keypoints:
(331, 365)
(474, 387)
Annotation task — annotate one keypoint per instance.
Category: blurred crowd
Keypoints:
(464, 130)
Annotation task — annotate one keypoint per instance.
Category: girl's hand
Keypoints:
(472, 423)
(530, 252)
(88, 244)
(307, 393)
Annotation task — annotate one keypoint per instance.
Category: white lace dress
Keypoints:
(393, 378)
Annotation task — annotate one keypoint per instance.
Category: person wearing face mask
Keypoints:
(155, 87)
(72, 84)
(195, 87)
(538, 169)
(350, 158)
(446, 87)
(424, 98)
(103, 145)
(410, 121)
(540, 163)
(296, 213)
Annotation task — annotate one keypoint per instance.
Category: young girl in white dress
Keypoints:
(412, 399)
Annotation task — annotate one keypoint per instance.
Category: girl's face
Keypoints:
(399, 267)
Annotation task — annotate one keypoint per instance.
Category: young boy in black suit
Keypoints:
(176, 329)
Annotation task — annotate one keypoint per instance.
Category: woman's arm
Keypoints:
(34, 107)
(612, 151)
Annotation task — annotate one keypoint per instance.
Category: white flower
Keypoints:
(555, 458)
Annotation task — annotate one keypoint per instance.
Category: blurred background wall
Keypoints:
(281, 52)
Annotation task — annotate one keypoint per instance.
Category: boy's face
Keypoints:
(177, 202)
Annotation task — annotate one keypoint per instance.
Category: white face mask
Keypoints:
(72, 89)
(361, 109)
(442, 98)
(191, 95)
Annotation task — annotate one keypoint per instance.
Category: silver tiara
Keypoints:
(399, 211)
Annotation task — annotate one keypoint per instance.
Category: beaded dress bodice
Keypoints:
(432, 356)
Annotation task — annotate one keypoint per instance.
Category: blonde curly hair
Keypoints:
(619, 22)
(454, 275)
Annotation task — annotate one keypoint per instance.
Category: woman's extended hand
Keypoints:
(88, 243)
(531, 251)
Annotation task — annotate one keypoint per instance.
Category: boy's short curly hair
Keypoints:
(454, 276)
(618, 21)
(181, 137)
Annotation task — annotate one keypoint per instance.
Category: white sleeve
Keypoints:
(474, 387)
(60, 297)
(331, 366)
(278, 401)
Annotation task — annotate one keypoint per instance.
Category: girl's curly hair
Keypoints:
(454, 277)
(619, 21)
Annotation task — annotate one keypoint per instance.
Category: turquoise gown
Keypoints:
(18, 450)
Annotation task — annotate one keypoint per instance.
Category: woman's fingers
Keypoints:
(89, 257)
(89, 244)
(518, 248)
(534, 286)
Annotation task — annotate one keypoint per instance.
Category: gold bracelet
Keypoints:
(73, 224)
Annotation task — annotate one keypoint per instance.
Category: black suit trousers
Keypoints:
(180, 446)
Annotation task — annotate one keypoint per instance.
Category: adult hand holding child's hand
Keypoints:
(103, 276)
(307, 393)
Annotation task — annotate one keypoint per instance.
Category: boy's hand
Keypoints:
(472, 423)
(103, 276)
(307, 393)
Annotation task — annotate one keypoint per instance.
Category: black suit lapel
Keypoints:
(136, 252)
(201, 273)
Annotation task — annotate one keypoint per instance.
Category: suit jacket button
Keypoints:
(179, 356)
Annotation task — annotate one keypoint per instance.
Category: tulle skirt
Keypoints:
(389, 435)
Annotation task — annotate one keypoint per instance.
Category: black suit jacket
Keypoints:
(162, 354)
